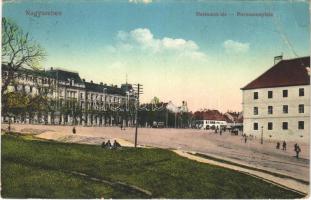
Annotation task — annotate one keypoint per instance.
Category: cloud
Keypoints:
(235, 47)
(140, 1)
(143, 39)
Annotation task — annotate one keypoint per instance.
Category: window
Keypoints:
(270, 94)
(255, 126)
(285, 125)
(270, 110)
(255, 110)
(255, 95)
(285, 93)
(285, 109)
(301, 92)
(301, 124)
(270, 125)
(301, 108)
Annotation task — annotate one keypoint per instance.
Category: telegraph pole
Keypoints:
(139, 90)
(261, 141)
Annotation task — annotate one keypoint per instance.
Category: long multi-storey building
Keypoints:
(72, 100)
(276, 105)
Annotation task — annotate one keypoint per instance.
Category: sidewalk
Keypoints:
(285, 182)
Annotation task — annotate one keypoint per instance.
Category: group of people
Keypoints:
(296, 148)
(108, 145)
(246, 137)
(283, 145)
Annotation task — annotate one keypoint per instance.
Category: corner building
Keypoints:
(277, 103)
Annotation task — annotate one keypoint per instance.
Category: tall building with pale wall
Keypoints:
(277, 103)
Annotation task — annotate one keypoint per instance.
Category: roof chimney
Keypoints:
(278, 58)
(83, 80)
(51, 68)
(91, 81)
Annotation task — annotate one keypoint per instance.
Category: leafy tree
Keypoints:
(155, 100)
(18, 50)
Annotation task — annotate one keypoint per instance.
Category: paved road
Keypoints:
(225, 146)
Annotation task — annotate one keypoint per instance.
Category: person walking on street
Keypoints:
(278, 145)
(297, 150)
(284, 146)
(74, 130)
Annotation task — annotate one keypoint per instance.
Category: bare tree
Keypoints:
(18, 50)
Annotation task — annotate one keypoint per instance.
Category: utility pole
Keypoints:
(261, 141)
(139, 90)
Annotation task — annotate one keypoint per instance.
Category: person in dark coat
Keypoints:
(297, 150)
(278, 145)
(284, 146)
(116, 145)
(103, 144)
(108, 145)
(74, 130)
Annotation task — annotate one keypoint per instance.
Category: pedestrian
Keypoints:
(121, 126)
(103, 144)
(115, 145)
(297, 150)
(278, 145)
(74, 130)
(245, 138)
(295, 146)
(284, 146)
(108, 145)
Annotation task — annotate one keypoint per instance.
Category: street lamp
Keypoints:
(261, 135)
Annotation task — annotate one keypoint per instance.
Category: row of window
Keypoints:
(285, 93)
(26, 77)
(301, 125)
(102, 98)
(301, 109)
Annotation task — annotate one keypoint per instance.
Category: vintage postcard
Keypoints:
(149, 99)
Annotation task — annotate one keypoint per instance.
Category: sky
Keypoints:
(164, 45)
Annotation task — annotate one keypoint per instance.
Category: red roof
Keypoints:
(285, 73)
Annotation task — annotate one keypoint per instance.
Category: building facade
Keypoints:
(234, 120)
(276, 105)
(209, 119)
(72, 100)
